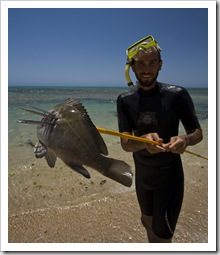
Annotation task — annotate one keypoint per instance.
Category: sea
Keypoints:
(35, 190)
(100, 103)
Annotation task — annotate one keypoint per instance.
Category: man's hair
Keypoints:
(159, 55)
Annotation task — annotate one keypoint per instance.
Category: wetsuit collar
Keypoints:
(152, 91)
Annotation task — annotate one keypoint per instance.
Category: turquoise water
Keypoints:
(34, 187)
(99, 102)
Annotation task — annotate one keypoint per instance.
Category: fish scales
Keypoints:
(67, 132)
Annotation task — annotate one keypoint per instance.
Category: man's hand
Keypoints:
(177, 144)
(151, 148)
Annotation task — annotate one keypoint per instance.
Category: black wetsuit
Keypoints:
(159, 177)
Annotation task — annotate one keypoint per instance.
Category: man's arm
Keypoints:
(133, 146)
(178, 144)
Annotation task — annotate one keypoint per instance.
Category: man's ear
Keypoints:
(160, 64)
(133, 68)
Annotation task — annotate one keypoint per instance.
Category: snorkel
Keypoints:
(127, 76)
(144, 43)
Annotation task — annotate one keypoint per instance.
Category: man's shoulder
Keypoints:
(165, 87)
(175, 90)
(129, 93)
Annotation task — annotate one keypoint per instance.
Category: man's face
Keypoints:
(146, 67)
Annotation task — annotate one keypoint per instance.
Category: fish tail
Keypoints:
(120, 171)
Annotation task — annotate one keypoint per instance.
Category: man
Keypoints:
(153, 111)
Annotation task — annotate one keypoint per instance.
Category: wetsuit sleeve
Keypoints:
(124, 121)
(187, 111)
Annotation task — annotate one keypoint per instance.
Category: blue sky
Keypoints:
(86, 47)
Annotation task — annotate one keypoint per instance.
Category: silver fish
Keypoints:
(67, 132)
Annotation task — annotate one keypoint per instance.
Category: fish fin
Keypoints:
(119, 171)
(41, 151)
(50, 158)
(97, 138)
(100, 143)
(79, 169)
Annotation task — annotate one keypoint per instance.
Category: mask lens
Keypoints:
(143, 43)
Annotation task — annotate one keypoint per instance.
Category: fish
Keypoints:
(68, 133)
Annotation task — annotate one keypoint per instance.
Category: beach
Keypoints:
(57, 205)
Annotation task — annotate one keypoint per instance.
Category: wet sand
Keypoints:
(60, 206)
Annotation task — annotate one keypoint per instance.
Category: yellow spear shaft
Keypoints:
(139, 139)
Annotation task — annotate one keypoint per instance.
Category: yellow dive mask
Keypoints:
(144, 43)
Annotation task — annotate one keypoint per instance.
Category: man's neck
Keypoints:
(148, 87)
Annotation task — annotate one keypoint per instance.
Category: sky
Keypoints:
(86, 46)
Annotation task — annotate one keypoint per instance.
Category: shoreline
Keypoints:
(59, 205)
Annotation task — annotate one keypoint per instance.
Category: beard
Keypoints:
(147, 82)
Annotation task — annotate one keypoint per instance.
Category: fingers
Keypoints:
(151, 147)
(177, 144)
(153, 137)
